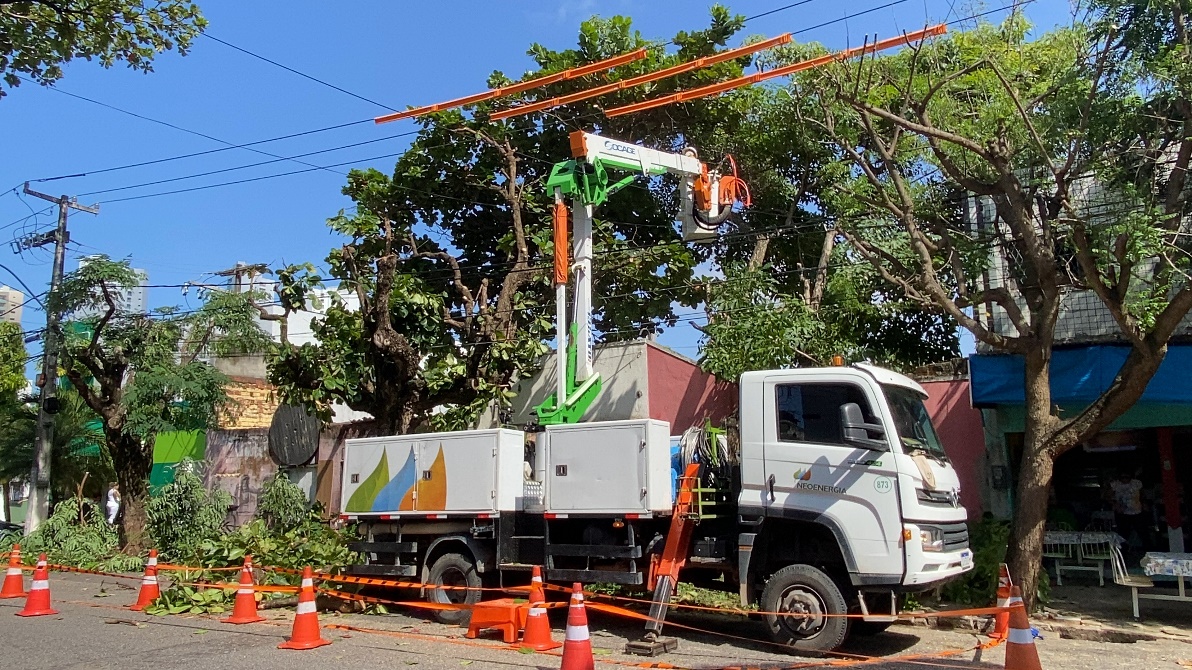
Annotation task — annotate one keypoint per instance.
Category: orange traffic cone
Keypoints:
(1001, 620)
(577, 646)
(38, 603)
(1020, 641)
(245, 609)
(537, 595)
(149, 590)
(14, 580)
(306, 621)
(537, 633)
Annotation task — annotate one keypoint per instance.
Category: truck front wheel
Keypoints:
(458, 574)
(809, 593)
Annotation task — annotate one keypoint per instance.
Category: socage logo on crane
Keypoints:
(628, 149)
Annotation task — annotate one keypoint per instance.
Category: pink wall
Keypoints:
(682, 394)
(961, 431)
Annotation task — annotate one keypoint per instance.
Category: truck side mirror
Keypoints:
(856, 431)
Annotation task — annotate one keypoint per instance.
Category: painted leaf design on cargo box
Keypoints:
(390, 497)
(364, 495)
(432, 493)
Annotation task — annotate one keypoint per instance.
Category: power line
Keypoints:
(251, 165)
(300, 74)
(163, 123)
(167, 159)
(779, 9)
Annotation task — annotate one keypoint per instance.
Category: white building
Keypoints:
(12, 304)
(131, 299)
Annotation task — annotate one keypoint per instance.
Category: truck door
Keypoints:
(814, 474)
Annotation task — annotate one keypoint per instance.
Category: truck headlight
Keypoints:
(932, 539)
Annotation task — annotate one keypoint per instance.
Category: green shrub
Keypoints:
(282, 505)
(82, 540)
(184, 514)
(988, 539)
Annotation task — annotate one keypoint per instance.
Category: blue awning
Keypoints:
(1079, 375)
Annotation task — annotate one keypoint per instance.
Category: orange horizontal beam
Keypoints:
(643, 79)
(713, 89)
(511, 89)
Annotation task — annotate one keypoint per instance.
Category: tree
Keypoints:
(143, 373)
(78, 457)
(792, 293)
(448, 258)
(38, 37)
(1081, 142)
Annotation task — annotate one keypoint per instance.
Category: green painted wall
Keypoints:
(171, 448)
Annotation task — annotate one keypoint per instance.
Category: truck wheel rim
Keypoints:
(455, 580)
(804, 601)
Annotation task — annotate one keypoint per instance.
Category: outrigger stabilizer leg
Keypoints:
(664, 569)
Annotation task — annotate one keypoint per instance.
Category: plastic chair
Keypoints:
(1063, 556)
(1124, 578)
(1097, 552)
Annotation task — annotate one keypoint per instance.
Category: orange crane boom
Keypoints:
(511, 89)
(643, 79)
(713, 89)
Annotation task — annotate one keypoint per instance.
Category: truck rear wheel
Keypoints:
(807, 591)
(458, 573)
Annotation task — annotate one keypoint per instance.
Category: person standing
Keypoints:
(1127, 507)
(113, 502)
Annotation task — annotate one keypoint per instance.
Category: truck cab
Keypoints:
(845, 486)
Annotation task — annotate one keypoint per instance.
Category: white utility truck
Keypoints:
(839, 498)
(832, 495)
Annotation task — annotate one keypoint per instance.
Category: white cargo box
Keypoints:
(608, 467)
(474, 471)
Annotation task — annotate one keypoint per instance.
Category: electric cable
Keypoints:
(300, 74)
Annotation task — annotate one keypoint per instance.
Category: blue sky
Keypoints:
(395, 53)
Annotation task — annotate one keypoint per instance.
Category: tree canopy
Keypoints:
(38, 37)
(448, 257)
(986, 176)
(145, 373)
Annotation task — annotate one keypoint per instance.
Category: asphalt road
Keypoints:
(94, 631)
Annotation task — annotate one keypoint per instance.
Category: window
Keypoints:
(811, 412)
(913, 422)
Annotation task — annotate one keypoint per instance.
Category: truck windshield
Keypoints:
(914, 424)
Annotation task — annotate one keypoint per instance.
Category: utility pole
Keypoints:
(39, 476)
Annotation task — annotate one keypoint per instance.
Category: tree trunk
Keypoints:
(1030, 516)
(1024, 554)
(132, 461)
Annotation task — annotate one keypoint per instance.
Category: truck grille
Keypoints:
(956, 536)
(937, 498)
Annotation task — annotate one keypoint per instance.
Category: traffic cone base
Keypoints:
(1021, 653)
(38, 602)
(537, 634)
(306, 621)
(577, 646)
(245, 608)
(14, 579)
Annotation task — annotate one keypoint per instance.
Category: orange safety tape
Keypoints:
(228, 586)
(979, 611)
(416, 603)
(67, 568)
(374, 581)
(848, 659)
(175, 568)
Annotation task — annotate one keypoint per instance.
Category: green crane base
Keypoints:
(579, 396)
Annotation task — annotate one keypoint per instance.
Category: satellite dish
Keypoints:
(294, 436)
